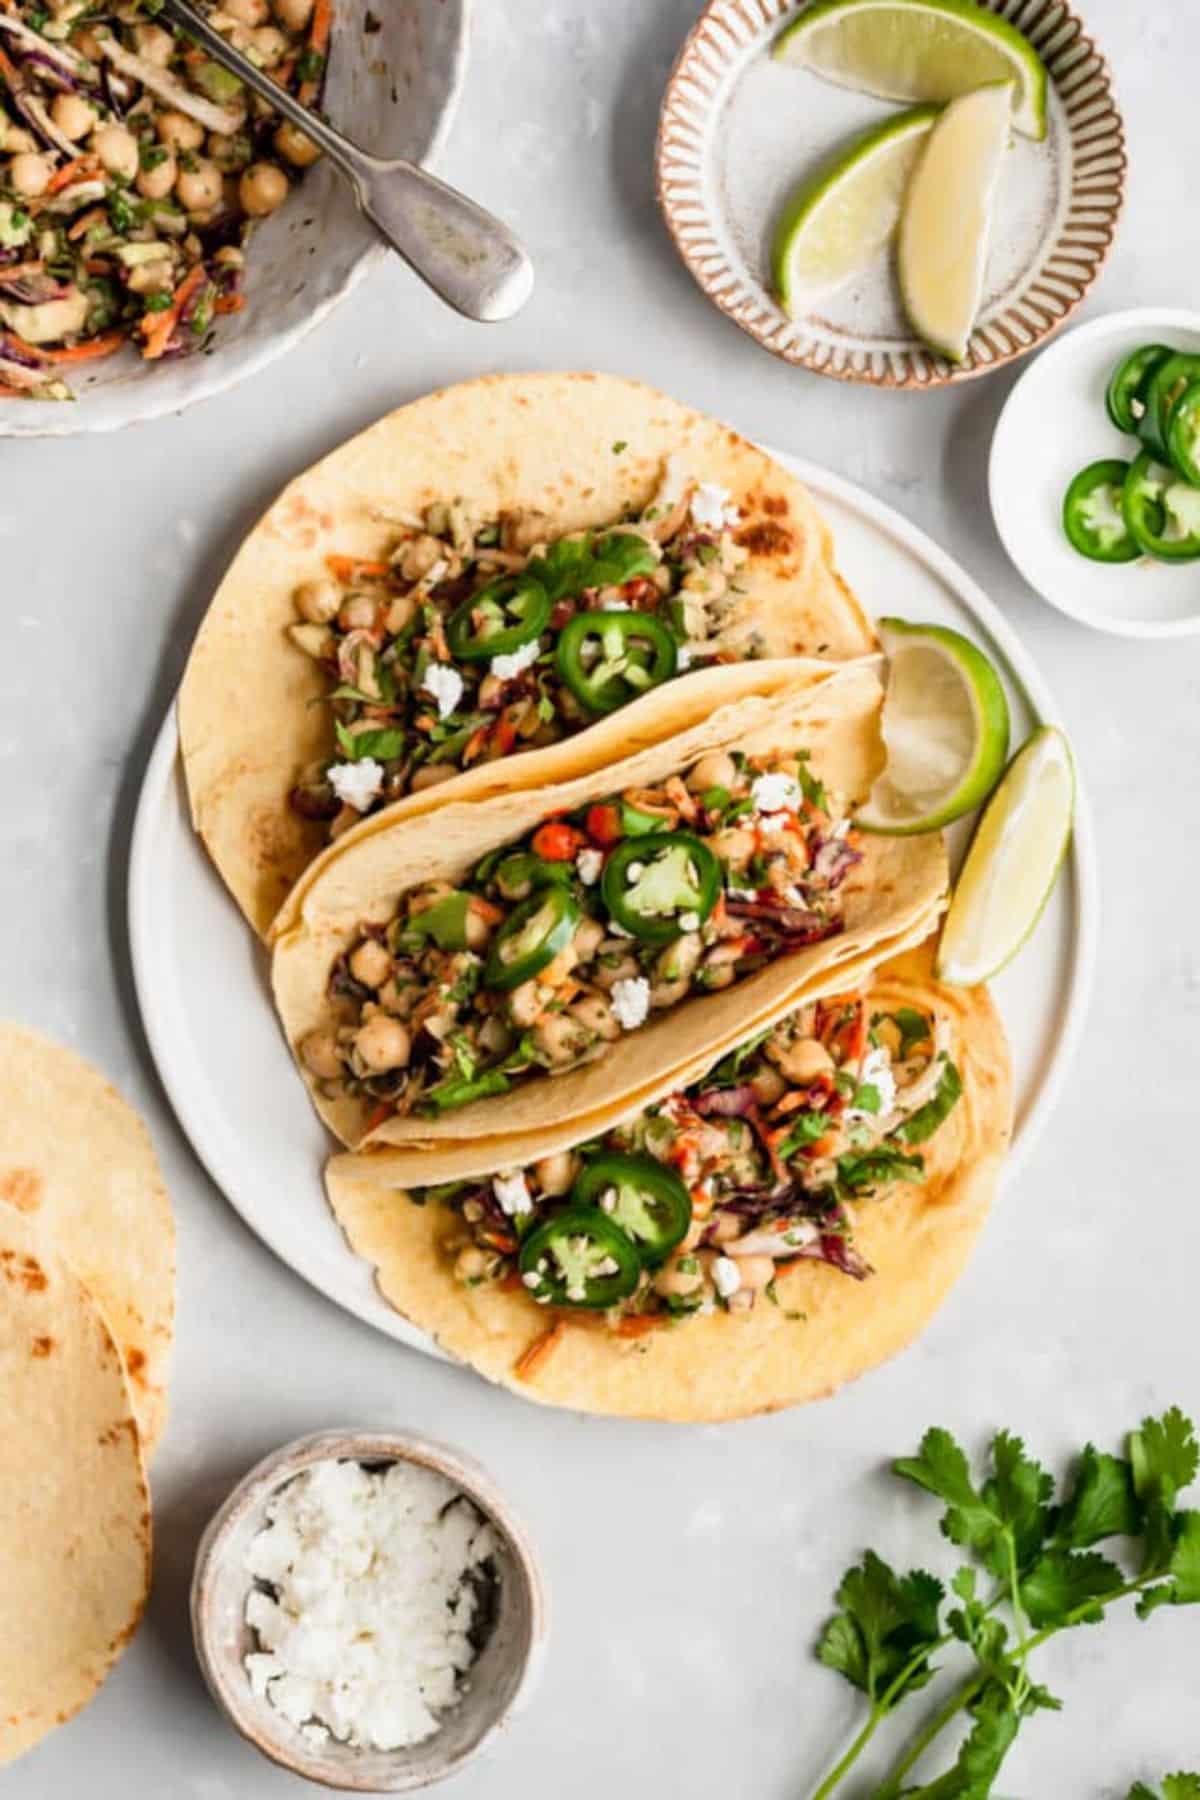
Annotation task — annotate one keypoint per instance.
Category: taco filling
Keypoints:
(702, 1200)
(555, 946)
(472, 638)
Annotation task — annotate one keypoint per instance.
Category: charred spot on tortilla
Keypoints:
(42, 1346)
(21, 1188)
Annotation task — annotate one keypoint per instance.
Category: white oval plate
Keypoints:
(1032, 466)
(205, 999)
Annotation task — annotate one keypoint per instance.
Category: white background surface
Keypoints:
(689, 1570)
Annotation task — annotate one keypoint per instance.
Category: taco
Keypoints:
(770, 1226)
(495, 966)
(76, 1159)
(74, 1506)
(451, 602)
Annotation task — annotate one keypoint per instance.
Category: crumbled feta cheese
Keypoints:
(631, 1001)
(711, 508)
(774, 793)
(356, 784)
(364, 1632)
(507, 668)
(512, 1191)
(444, 682)
(727, 1277)
(877, 1074)
(589, 863)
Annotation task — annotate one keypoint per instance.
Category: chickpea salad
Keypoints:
(557, 945)
(472, 638)
(703, 1200)
(132, 167)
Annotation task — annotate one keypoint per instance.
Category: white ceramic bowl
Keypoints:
(1054, 424)
(393, 88)
(501, 1679)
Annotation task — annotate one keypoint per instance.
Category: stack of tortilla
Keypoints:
(250, 722)
(87, 1279)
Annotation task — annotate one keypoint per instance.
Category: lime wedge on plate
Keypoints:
(946, 224)
(945, 728)
(836, 222)
(1012, 864)
(923, 50)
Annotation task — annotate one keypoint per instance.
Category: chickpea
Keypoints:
(559, 967)
(370, 963)
(471, 1263)
(156, 183)
(560, 1038)
(735, 846)
(399, 614)
(768, 1086)
(525, 1003)
(708, 583)
(15, 139)
(262, 188)
(680, 959)
(153, 44)
(680, 1279)
(293, 15)
(430, 774)
(717, 770)
(596, 1014)
(420, 555)
(87, 41)
(200, 188)
(29, 174)
(357, 613)
(382, 1044)
(117, 150)
(269, 45)
(230, 154)
(247, 12)
(589, 935)
(318, 601)
(73, 116)
(756, 1272)
(295, 147)
(319, 1054)
(179, 132)
(801, 1061)
(556, 1174)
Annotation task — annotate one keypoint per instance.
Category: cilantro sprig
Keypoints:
(1031, 1571)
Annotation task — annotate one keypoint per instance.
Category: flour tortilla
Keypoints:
(74, 1507)
(890, 900)
(247, 718)
(75, 1158)
(916, 1238)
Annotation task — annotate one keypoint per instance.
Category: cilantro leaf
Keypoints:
(1061, 1582)
(941, 1468)
(867, 1099)
(1174, 1787)
(1101, 1504)
(383, 745)
(885, 1621)
(1164, 1457)
(573, 564)
(1013, 1503)
(982, 1753)
(872, 1168)
(1020, 1492)
(1182, 1568)
(913, 1026)
(925, 1121)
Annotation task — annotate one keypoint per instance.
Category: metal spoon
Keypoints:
(462, 252)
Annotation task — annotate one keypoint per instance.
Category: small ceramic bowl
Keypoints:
(1054, 423)
(394, 76)
(738, 130)
(501, 1679)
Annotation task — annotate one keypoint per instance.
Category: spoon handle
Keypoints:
(463, 252)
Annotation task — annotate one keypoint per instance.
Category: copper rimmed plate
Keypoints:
(738, 130)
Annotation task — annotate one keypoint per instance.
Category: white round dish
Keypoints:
(1054, 424)
(394, 88)
(501, 1680)
(738, 130)
(221, 1056)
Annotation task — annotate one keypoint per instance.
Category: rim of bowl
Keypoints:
(360, 1445)
(696, 86)
(221, 380)
(1126, 319)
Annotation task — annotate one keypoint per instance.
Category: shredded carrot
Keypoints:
(17, 347)
(375, 1119)
(230, 303)
(16, 270)
(10, 73)
(75, 170)
(356, 568)
(156, 328)
(89, 351)
(483, 909)
(95, 215)
(12, 392)
(639, 1325)
(510, 1284)
(528, 1364)
(322, 21)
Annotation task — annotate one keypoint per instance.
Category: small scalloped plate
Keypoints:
(738, 130)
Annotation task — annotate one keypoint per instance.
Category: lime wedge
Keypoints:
(946, 223)
(924, 50)
(945, 729)
(1012, 864)
(836, 222)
